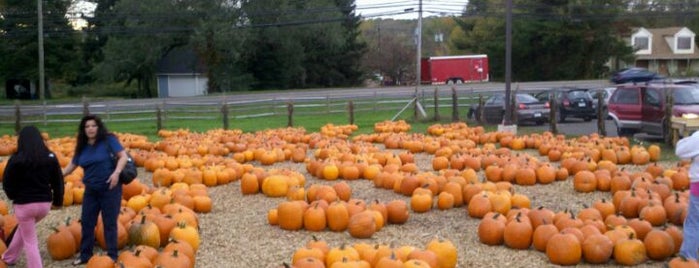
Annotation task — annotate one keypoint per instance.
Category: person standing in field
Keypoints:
(688, 148)
(33, 181)
(94, 148)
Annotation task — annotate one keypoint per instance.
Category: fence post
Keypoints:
(327, 104)
(481, 109)
(601, 126)
(436, 104)
(18, 119)
(454, 105)
(513, 106)
(224, 111)
(350, 108)
(553, 104)
(86, 106)
(376, 100)
(290, 110)
(159, 117)
(106, 111)
(667, 131)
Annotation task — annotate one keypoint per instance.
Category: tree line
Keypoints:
(288, 44)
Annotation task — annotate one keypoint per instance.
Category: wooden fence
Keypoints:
(227, 108)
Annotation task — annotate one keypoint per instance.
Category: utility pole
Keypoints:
(419, 56)
(40, 29)
(508, 64)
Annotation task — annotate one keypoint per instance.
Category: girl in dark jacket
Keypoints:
(33, 181)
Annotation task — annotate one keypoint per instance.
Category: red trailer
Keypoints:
(454, 69)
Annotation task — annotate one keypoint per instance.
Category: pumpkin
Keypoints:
(585, 181)
(249, 184)
(445, 201)
(564, 249)
(182, 247)
(308, 262)
(682, 262)
(597, 249)
(518, 233)
(133, 259)
(640, 226)
(491, 229)
(542, 234)
(275, 186)
(427, 256)
(61, 244)
(305, 253)
(144, 232)
(397, 211)
(290, 215)
(362, 225)
(339, 254)
(343, 191)
(629, 251)
(421, 202)
(479, 205)
(337, 216)
(659, 245)
(314, 218)
(100, 261)
(187, 234)
(445, 250)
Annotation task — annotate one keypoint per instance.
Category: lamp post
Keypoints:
(418, 63)
(40, 29)
(508, 63)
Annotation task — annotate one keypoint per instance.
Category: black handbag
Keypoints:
(129, 173)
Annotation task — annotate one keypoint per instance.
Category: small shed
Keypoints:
(181, 73)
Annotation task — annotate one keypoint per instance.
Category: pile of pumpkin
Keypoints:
(150, 220)
(437, 253)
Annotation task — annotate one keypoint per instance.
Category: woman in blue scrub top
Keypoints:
(101, 178)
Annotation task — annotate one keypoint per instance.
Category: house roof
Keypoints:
(180, 60)
(660, 47)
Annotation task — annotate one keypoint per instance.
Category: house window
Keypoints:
(684, 43)
(640, 43)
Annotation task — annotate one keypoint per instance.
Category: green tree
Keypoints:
(303, 43)
(96, 34)
(552, 40)
(19, 42)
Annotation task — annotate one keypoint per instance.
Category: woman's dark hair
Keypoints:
(102, 132)
(31, 147)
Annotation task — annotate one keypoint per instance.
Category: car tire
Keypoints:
(587, 119)
(539, 123)
(450, 82)
(459, 81)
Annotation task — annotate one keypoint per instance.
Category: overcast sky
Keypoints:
(369, 9)
(396, 8)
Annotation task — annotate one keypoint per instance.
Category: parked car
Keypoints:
(528, 109)
(634, 75)
(572, 102)
(606, 94)
(642, 108)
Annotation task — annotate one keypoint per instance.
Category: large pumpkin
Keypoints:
(144, 232)
(362, 225)
(445, 250)
(564, 249)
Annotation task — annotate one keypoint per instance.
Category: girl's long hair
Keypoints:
(102, 132)
(31, 148)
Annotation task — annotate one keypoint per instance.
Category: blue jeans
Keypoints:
(690, 242)
(95, 201)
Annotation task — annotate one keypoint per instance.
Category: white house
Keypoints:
(180, 73)
(668, 51)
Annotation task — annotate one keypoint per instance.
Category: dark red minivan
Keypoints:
(641, 107)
